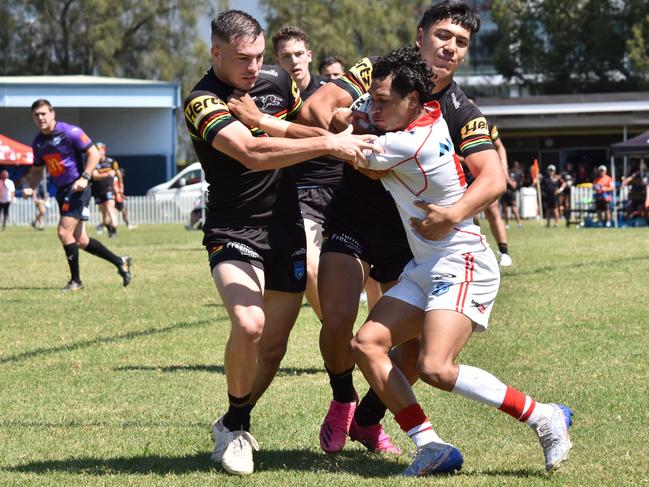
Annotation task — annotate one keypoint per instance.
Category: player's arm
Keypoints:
(319, 108)
(92, 159)
(488, 186)
(502, 155)
(98, 175)
(264, 153)
(242, 106)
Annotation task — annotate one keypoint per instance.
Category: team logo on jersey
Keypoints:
(203, 103)
(268, 101)
(362, 71)
(299, 269)
(443, 275)
(270, 72)
(445, 147)
(477, 126)
(456, 103)
(56, 140)
(440, 288)
(479, 306)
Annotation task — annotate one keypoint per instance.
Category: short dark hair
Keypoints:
(328, 61)
(235, 25)
(40, 102)
(290, 32)
(409, 72)
(456, 11)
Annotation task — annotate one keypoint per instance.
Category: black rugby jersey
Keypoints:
(105, 184)
(322, 171)
(238, 195)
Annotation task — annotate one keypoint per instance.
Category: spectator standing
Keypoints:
(7, 196)
(40, 202)
(552, 186)
(509, 199)
(638, 202)
(603, 194)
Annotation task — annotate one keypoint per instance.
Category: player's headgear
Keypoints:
(456, 10)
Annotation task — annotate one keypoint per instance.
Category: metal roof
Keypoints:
(88, 92)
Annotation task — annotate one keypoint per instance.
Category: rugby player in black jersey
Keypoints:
(253, 230)
(316, 179)
(103, 190)
(492, 212)
(362, 225)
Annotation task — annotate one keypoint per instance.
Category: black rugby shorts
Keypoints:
(279, 249)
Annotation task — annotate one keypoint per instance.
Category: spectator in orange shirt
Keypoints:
(602, 192)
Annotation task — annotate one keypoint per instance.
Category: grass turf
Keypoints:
(118, 386)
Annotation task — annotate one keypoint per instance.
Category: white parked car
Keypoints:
(186, 184)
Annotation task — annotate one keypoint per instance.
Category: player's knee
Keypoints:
(248, 327)
(435, 373)
(272, 355)
(364, 346)
(338, 317)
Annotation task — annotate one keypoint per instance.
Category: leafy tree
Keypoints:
(555, 46)
(150, 39)
(350, 29)
(638, 47)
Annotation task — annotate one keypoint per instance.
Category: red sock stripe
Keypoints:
(529, 411)
(514, 403)
(410, 417)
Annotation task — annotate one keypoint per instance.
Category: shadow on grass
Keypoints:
(218, 369)
(30, 288)
(362, 464)
(19, 357)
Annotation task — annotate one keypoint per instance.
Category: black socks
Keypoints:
(370, 410)
(72, 255)
(95, 247)
(342, 385)
(238, 415)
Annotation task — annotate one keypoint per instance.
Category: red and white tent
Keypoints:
(14, 153)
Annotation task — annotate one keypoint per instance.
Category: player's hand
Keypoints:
(242, 106)
(341, 118)
(436, 224)
(80, 184)
(349, 147)
(361, 123)
(28, 193)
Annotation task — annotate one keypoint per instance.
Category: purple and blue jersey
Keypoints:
(62, 152)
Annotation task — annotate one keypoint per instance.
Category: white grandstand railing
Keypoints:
(142, 210)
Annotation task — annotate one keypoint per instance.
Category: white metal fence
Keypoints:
(149, 210)
(141, 210)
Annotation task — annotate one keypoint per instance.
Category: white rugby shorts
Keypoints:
(463, 282)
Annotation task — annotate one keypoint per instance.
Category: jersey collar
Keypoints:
(431, 115)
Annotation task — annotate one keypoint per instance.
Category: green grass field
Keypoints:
(113, 386)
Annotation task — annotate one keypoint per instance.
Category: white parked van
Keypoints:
(187, 183)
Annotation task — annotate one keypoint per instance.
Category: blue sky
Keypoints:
(250, 6)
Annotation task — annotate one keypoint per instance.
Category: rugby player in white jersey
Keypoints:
(447, 291)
